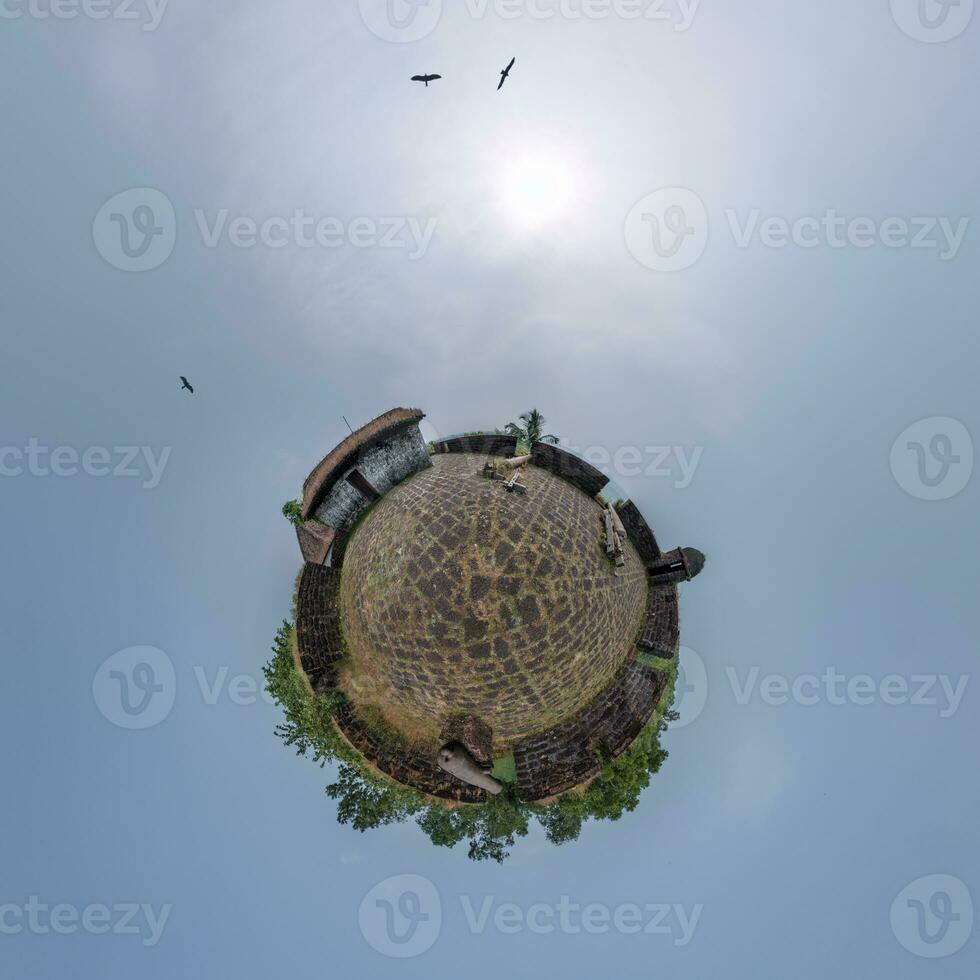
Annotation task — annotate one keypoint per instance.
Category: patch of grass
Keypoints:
(505, 769)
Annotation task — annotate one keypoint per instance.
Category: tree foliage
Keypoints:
(530, 429)
(293, 512)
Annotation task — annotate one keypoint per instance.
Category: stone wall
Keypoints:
(661, 631)
(573, 751)
(318, 634)
(403, 764)
(570, 467)
(383, 464)
(342, 506)
(640, 533)
(342, 458)
(488, 444)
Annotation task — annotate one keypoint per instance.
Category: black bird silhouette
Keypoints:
(425, 78)
(505, 74)
(184, 383)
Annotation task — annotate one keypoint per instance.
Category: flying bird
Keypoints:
(505, 74)
(425, 78)
(184, 383)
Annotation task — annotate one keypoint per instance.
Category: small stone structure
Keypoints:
(474, 734)
(365, 466)
(679, 565)
(315, 541)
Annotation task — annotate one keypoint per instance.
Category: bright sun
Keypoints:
(535, 188)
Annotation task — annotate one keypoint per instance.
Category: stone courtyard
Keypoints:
(458, 596)
(470, 620)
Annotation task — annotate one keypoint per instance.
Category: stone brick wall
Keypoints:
(661, 631)
(383, 464)
(640, 533)
(343, 457)
(342, 506)
(488, 444)
(570, 467)
(571, 752)
(387, 463)
(404, 765)
(318, 635)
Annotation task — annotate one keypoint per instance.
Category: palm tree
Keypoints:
(528, 430)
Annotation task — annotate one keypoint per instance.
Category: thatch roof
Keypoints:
(332, 467)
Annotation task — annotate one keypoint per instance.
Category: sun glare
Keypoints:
(535, 188)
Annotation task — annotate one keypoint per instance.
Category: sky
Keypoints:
(727, 249)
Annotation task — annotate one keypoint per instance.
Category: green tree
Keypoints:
(293, 511)
(367, 803)
(529, 429)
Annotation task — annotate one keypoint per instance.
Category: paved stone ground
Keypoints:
(459, 596)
